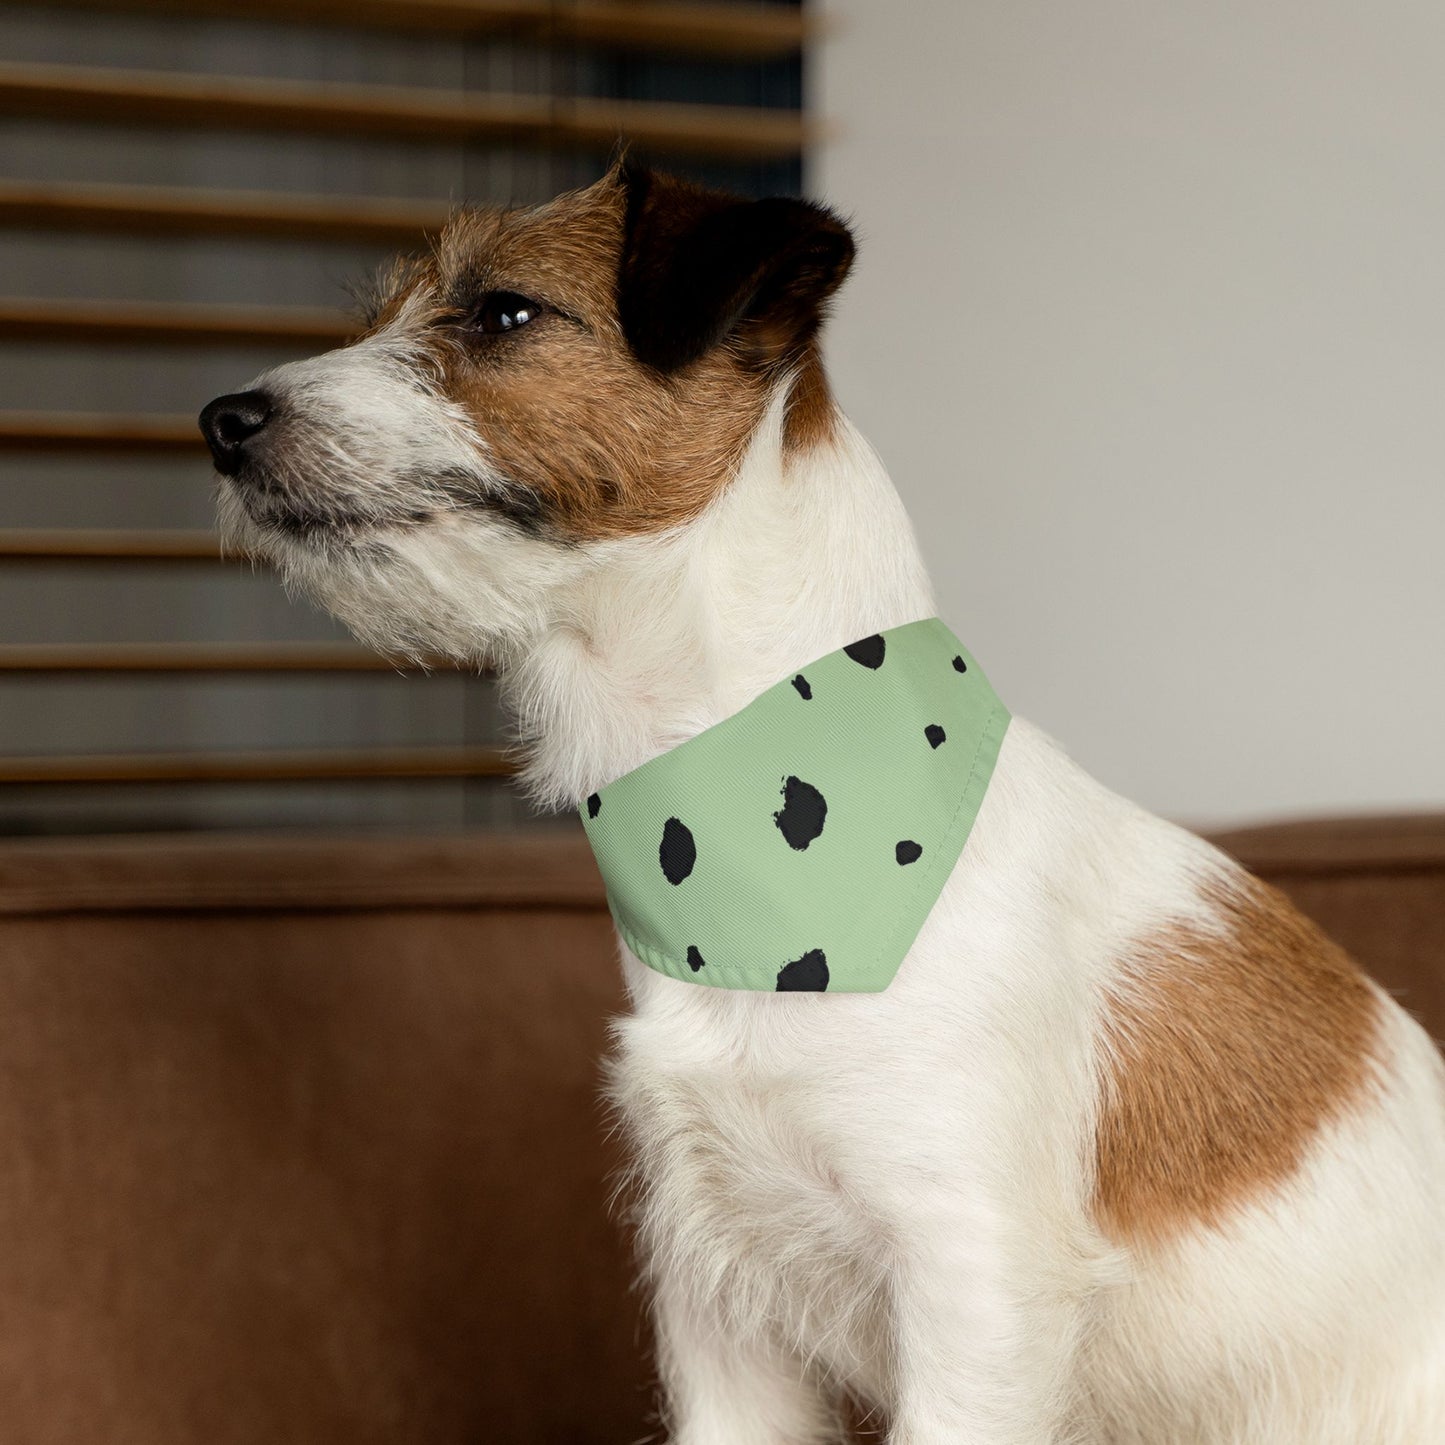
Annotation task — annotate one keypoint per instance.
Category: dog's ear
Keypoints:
(699, 266)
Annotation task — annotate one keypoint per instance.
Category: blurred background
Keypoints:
(187, 193)
(302, 1010)
(1149, 324)
(1146, 323)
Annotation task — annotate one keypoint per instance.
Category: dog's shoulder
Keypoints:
(1231, 1038)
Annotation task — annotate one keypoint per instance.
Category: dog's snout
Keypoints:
(229, 422)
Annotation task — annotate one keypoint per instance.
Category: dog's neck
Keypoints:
(802, 554)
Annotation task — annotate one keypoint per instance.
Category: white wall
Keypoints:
(1149, 324)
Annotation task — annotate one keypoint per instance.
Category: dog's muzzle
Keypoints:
(232, 422)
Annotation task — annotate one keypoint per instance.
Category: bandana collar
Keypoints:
(800, 843)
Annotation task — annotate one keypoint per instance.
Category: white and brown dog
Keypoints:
(1127, 1152)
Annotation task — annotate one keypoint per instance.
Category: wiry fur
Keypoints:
(894, 1195)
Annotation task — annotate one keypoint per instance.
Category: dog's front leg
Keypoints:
(985, 1340)
(723, 1387)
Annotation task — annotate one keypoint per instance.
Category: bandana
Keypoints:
(800, 843)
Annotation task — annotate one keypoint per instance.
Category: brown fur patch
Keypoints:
(1227, 1053)
(812, 415)
(605, 445)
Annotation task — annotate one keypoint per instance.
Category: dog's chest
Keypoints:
(748, 1181)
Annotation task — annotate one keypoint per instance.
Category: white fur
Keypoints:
(889, 1193)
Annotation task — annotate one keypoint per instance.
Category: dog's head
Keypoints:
(542, 384)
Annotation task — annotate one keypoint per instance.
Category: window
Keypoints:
(185, 192)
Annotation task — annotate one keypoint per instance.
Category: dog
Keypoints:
(1126, 1153)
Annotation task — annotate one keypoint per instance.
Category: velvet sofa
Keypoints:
(300, 1138)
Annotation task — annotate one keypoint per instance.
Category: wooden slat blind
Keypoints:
(222, 102)
(83, 431)
(171, 211)
(173, 324)
(82, 544)
(724, 30)
(192, 657)
(229, 105)
(271, 766)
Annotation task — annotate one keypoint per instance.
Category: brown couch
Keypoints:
(302, 1142)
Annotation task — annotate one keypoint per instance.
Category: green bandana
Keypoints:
(800, 843)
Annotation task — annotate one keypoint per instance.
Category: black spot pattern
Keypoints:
(678, 852)
(801, 817)
(808, 974)
(802, 814)
(868, 651)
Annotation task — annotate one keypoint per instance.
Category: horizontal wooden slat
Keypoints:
(756, 32)
(171, 323)
(292, 869)
(80, 544)
(706, 29)
(84, 431)
(329, 765)
(220, 102)
(175, 211)
(131, 657)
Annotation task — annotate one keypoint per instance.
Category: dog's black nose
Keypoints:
(229, 422)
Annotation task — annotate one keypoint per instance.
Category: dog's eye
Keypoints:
(504, 311)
